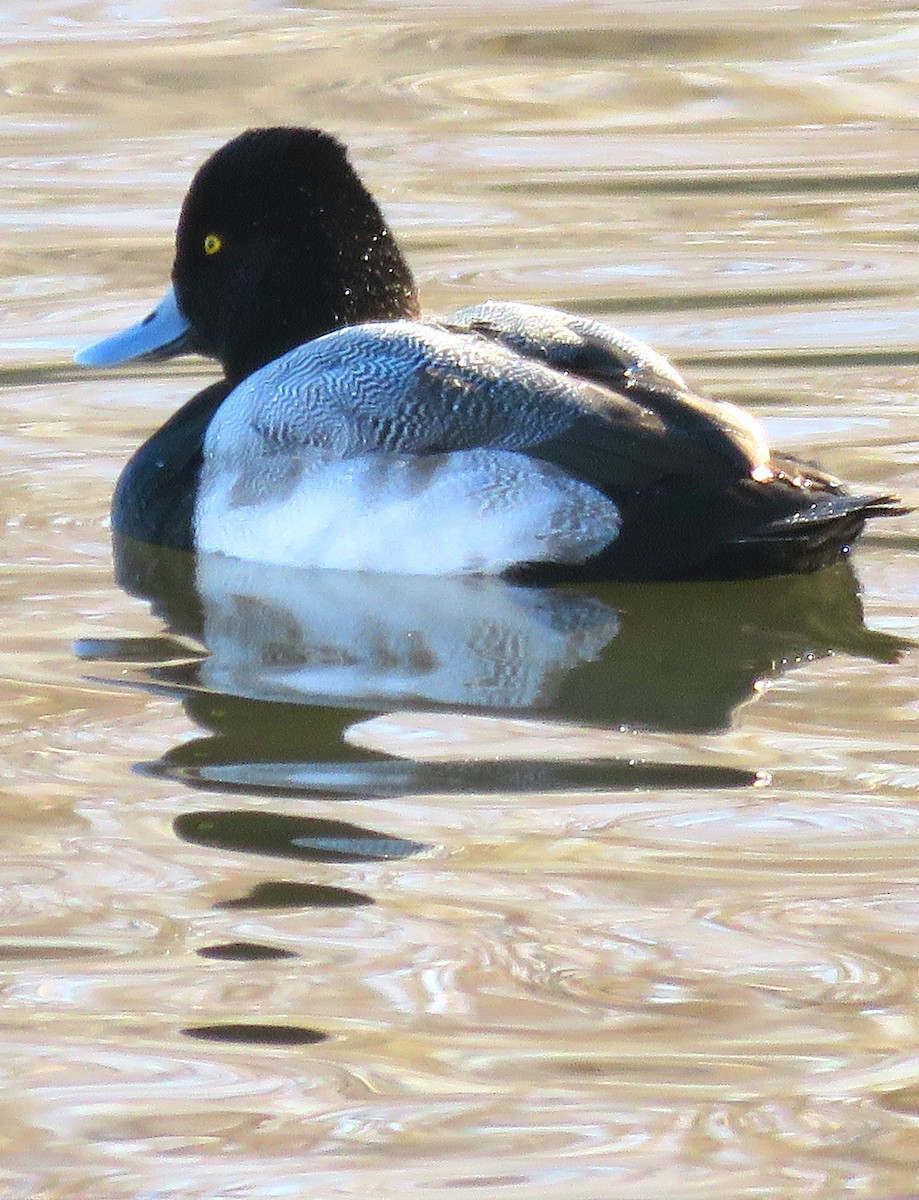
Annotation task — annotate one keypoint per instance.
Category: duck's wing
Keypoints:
(599, 353)
(407, 388)
(583, 347)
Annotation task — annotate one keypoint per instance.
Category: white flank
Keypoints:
(472, 511)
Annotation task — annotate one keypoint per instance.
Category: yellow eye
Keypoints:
(212, 243)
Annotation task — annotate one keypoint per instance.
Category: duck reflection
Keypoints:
(288, 659)
(275, 664)
(674, 657)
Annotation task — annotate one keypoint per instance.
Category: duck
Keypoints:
(348, 432)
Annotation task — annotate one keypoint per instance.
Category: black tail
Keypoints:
(806, 540)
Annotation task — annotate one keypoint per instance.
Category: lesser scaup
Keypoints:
(506, 438)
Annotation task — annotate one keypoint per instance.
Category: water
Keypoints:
(355, 887)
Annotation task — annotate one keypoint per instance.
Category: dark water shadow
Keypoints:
(257, 1034)
(308, 839)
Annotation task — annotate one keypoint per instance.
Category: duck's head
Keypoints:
(278, 242)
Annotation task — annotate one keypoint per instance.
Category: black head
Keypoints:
(279, 242)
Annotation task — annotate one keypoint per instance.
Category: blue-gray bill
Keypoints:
(162, 334)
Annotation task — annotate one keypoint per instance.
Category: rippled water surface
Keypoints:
(329, 886)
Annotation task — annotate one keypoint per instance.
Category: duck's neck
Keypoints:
(357, 278)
